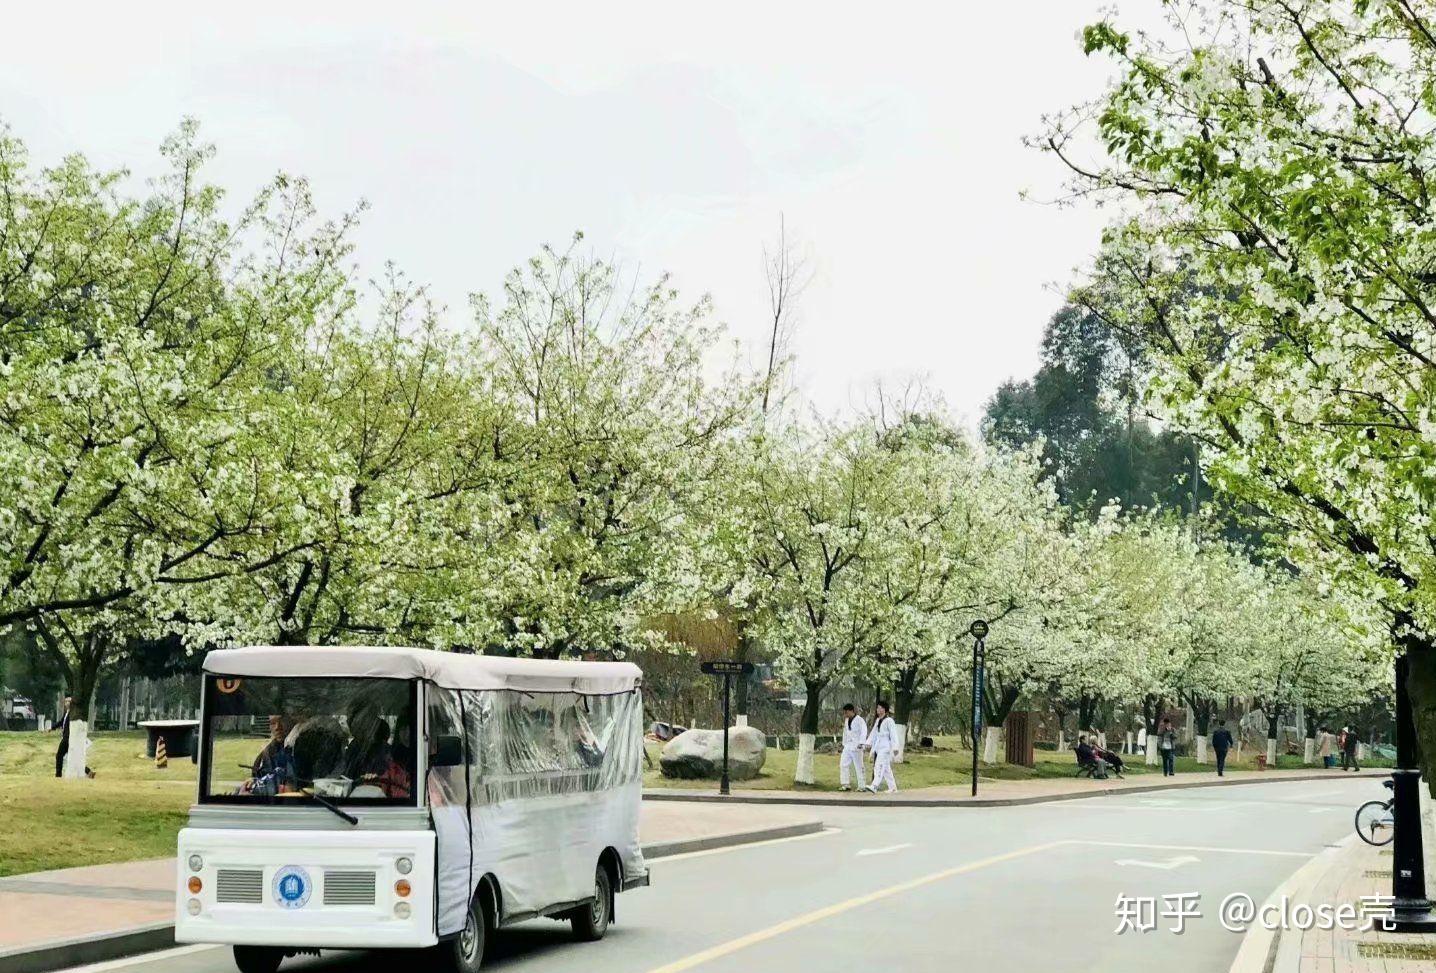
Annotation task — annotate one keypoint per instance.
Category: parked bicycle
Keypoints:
(1375, 822)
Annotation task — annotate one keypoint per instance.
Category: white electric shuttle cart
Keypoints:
(356, 798)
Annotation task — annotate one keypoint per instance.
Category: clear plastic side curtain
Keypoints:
(556, 750)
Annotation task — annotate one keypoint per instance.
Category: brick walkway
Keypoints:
(97, 900)
(1355, 870)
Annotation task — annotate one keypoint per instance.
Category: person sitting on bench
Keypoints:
(1113, 760)
(1089, 764)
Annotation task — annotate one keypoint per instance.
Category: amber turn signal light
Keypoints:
(401, 888)
(195, 885)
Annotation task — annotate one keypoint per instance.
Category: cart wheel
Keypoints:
(466, 951)
(589, 924)
(257, 959)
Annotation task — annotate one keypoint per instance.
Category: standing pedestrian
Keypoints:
(1221, 743)
(1167, 747)
(1324, 741)
(855, 734)
(1348, 749)
(880, 742)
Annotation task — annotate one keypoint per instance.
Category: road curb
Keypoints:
(1266, 950)
(666, 849)
(834, 800)
(59, 954)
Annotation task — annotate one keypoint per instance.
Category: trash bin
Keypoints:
(1261, 761)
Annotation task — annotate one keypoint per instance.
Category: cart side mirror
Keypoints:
(448, 752)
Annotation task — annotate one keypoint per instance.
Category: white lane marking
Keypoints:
(1230, 851)
(884, 851)
(155, 957)
(1319, 810)
(1167, 865)
(752, 844)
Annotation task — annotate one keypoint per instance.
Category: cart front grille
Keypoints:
(240, 886)
(348, 888)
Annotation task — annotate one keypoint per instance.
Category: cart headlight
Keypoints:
(404, 866)
(195, 863)
(401, 910)
(194, 907)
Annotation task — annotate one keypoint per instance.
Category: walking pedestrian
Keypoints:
(1324, 740)
(880, 742)
(1221, 743)
(1348, 749)
(64, 747)
(1167, 747)
(855, 734)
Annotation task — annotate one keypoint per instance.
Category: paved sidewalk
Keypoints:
(74, 915)
(1001, 793)
(1342, 874)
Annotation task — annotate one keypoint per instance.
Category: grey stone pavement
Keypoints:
(917, 889)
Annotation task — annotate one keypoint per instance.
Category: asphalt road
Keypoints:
(1013, 889)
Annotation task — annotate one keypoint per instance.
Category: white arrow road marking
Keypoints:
(1167, 865)
(883, 851)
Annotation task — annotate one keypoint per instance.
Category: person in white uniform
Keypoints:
(880, 742)
(855, 737)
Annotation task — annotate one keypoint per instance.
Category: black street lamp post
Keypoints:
(1411, 907)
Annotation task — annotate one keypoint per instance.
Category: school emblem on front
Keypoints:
(291, 887)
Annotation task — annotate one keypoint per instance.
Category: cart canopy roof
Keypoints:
(452, 670)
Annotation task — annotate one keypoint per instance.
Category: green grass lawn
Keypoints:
(130, 810)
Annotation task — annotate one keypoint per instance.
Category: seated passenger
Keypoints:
(273, 767)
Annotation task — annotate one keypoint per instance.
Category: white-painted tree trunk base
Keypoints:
(741, 719)
(1271, 752)
(1308, 751)
(899, 741)
(1102, 739)
(992, 740)
(1061, 741)
(1153, 757)
(1201, 750)
(1127, 746)
(1237, 749)
(803, 774)
(75, 756)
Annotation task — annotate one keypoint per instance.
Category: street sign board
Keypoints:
(978, 629)
(726, 667)
(978, 678)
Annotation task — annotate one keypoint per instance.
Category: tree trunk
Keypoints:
(744, 651)
(1151, 715)
(905, 688)
(807, 731)
(998, 707)
(1421, 688)
(1086, 711)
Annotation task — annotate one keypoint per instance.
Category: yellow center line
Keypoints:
(818, 915)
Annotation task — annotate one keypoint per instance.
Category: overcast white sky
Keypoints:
(673, 136)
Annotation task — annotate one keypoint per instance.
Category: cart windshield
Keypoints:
(274, 740)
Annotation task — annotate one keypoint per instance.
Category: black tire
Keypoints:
(1375, 824)
(257, 959)
(465, 952)
(591, 921)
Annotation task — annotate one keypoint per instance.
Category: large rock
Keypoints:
(698, 754)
